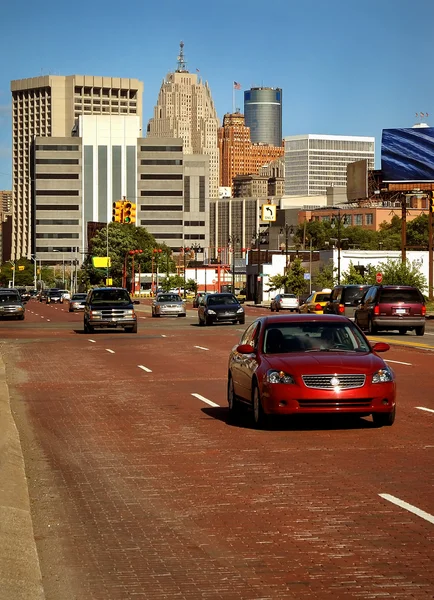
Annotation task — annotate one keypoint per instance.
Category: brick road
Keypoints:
(139, 490)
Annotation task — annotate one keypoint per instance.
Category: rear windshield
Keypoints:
(120, 297)
(288, 296)
(214, 300)
(352, 295)
(79, 297)
(322, 297)
(410, 296)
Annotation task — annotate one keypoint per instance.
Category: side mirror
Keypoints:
(136, 301)
(245, 349)
(380, 347)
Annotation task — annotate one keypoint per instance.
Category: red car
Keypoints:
(310, 364)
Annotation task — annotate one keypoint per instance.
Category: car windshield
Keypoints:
(120, 297)
(79, 297)
(168, 298)
(9, 298)
(215, 300)
(281, 338)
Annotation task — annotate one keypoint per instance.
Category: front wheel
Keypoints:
(233, 402)
(201, 323)
(420, 330)
(260, 419)
(132, 329)
(384, 419)
(242, 321)
(208, 321)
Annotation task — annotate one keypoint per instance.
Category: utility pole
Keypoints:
(338, 221)
(430, 247)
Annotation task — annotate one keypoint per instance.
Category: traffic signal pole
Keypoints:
(430, 248)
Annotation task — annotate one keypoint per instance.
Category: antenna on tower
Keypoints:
(182, 65)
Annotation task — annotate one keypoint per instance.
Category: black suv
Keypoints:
(110, 307)
(344, 300)
(400, 307)
(215, 308)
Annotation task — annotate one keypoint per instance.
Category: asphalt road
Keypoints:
(140, 487)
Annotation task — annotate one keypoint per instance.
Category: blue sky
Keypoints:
(348, 67)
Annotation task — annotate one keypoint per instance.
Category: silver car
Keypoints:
(11, 304)
(168, 304)
(77, 302)
(284, 302)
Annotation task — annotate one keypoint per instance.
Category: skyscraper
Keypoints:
(49, 106)
(185, 109)
(238, 156)
(263, 114)
(315, 162)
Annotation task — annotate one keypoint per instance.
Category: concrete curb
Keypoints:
(20, 574)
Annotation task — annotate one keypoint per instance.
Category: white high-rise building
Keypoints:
(185, 109)
(315, 162)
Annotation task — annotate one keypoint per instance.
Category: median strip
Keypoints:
(406, 506)
(210, 402)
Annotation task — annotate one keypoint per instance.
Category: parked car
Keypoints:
(309, 364)
(77, 302)
(216, 308)
(198, 298)
(167, 304)
(53, 296)
(11, 304)
(110, 307)
(392, 307)
(284, 302)
(344, 299)
(314, 304)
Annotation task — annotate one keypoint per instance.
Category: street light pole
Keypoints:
(337, 221)
(197, 249)
(233, 240)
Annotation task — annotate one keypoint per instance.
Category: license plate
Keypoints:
(400, 311)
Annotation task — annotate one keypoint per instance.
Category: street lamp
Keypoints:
(157, 252)
(287, 230)
(63, 265)
(233, 240)
(338, 221)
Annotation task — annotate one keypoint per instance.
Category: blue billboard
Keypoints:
(408, 154)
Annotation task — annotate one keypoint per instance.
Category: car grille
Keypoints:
(335, 403)
(9, 309)
(324, 382)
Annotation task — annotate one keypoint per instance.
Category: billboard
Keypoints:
(357, 180)
(407, 155)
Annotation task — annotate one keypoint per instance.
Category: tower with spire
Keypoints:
(185, 109)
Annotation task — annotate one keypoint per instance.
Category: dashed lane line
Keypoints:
(405, 505)
(111, 351)
(210, 402)
(397, 362)
(145, 369)
(162, 335)
(48, 320)
(426, 409)
(93, 341)
(201, 348)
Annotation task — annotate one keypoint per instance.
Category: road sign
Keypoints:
(268, 212)
(379, 277)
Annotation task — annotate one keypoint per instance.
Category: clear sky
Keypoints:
(346, 67)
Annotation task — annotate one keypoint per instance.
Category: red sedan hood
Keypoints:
(325, 362)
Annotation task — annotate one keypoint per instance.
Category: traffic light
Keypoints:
(129, 212)
(118, 212)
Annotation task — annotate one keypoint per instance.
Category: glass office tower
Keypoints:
(263, 114)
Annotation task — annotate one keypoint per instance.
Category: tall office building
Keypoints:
(315, 162)
(238, 156)
(185, 109)
(49, 107)
(263, 114)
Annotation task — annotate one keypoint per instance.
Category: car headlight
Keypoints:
(278, 377)
(240, 310)
(211, 311)
(129, 313)
(382, 376)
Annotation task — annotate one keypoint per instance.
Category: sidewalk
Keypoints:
(20, 576)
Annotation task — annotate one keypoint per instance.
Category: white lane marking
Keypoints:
(111, 351)
(162, 335)
(42, 317)
(145, 368)
(409, 507)
(143, 317)
(201, 348)
(48, 319)
(423, 408)
(93, 341)
(199, 397)
(397, 362)
(428, 333)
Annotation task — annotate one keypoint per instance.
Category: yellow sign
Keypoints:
(101, 262)
(109, 281)
(21, 267)
(268, 212)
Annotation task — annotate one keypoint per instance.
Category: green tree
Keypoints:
(292, 281)
(396, 272)
(325, 278)
(359, 275)
(191, 286)
(172, 282)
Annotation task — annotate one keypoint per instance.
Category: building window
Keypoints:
(161, 176)
(57, 222)
(155, 161)
(201, 193)
(57, 236)
(57, 161)
(161, 222)
(161, 193)
(165, 207)
(161, 148)
(57, 147)
(170, 236)
(57, 207)
(187, 193)
(358, 220)
(57, 192)
(369, 219)
(56, 175)
(194, 223)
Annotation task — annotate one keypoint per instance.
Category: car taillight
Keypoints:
(341, 309)
(376, 310)
(423, 311)
(318, 307)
